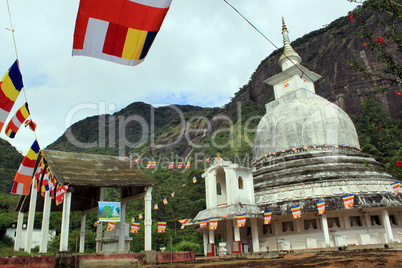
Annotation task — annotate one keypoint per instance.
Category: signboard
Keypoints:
(109, 211)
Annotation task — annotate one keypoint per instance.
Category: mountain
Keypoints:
(10, 160)
(184, 131)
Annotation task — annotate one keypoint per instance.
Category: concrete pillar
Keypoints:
(277, 227)
(205, 236)
(31, 218)
(236, 230)
(82, 233)
(229, 236)
(367, 219)
(346, 221)
(254, 235)
(298, 224)
(148, 220)
(387, 225)
(45, 223)
(18, 231)
(99, 229)
(324, 224)
(122, 235)
(211, 236)
(65, 222)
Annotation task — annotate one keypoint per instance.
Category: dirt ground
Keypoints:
(339, 259)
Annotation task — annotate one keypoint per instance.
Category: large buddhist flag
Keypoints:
(348, 200)
(22, 179)
(267, 216)
(296, 212)
(213, 223)
(14, 124)
(120, 31)
(321, 207)
(10, 87)
(161, 226)
(241, 220)
(135, 227)
(396, 186)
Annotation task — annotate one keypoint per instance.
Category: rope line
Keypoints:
(303, 73)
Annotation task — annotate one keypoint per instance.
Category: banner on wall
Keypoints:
(109, 211)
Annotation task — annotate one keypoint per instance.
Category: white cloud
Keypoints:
(203, 54)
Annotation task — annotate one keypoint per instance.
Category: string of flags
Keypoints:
(305, 148)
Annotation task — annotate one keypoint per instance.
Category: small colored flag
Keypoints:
(205, 169)
(156, 206)
(22, 179)
(118, 31)
(132, 219)
(304, 147)
(15, 123)
(267, 216)
(31, 124)
(161, 226)
(135, 227)
(172, 194)
(140, 216)
(314, 146)
(45, 182)
(165, 201)
(286, 83)
(52, 184)
(274, 152)
(266, 155)
(171, 164)
(188, 165)
(203, 224)
(38, 175)
(183, 223)
(396, 186)
(97, 223)
(241, 220)
(153, 164)
(336, 146)
(321, 207)
(194, 179)
(213, 223)
(348, 200)
(294, 148)
(296, 212)
(207, 160)
(283, 150)
(111, 226)
(184, 185)
(180, 165)
(149, 164)
(61, 189)
(10, 87)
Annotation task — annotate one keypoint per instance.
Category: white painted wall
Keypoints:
(36, 235)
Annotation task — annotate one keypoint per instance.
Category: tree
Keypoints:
(387, 44)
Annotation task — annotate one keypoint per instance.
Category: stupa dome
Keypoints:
(302, 118)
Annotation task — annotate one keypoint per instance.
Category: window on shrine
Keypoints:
(375, 220)
(287, 226)
(240, 182)
(333, 223)
(355, 221)
(218, 189)
(310, 224)
(392, 219)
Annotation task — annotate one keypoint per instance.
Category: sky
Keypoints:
(202, 55)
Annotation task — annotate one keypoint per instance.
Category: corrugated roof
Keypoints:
(78, 169)
(86, 174)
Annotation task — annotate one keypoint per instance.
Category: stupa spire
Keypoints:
(289, 56)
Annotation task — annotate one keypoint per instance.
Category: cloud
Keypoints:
(203, 54)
